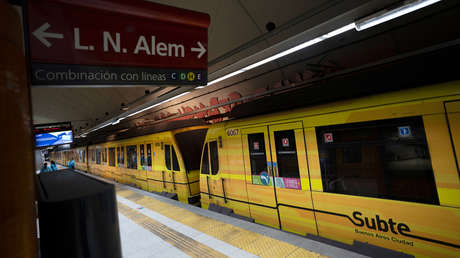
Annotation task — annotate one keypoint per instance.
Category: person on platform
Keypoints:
(45, 168)
(53, 166)
(71, 164)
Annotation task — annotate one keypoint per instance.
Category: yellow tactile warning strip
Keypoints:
(248, 241)
(178, 240)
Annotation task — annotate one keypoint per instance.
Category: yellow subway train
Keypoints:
(381, 169)
(151, 162)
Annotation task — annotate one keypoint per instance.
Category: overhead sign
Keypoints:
(113, 42)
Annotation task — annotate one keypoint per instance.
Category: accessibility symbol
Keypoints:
(264, 178)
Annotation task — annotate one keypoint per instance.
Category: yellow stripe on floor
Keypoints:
(178, 240)
(251, 242)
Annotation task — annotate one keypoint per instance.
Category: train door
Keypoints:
(259, 176)
(155, 175)
(453, 117)
(291, 179)
(172, 167)
(142, 172)
(277, 177)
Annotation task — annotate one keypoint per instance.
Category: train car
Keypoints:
(381, 170)
(167, 162)
(61, 157)
(80, 159)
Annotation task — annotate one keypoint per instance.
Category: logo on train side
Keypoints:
(264, 178)
(380, 227)
(232, 132)
(380, 224)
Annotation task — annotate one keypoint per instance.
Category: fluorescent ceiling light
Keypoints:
(380, 17)
(135, 113)
(156, 104)
(117, 121)
(386, 15)
(284, 53)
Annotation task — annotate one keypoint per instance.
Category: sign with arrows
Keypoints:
(115, 42)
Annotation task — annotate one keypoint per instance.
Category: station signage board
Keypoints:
(115, 42)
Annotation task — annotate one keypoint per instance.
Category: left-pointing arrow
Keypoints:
(41, 34)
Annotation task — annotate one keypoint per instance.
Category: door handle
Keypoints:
(163, 177)
(174, 181)
(209, 192)
(223, 190)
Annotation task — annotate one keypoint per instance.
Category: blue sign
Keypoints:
(53, 138)
(404, 131)
(264, 178)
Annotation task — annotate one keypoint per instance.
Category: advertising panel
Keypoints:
(53, 134)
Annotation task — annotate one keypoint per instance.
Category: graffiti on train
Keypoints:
(206, 113)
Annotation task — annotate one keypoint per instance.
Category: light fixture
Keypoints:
(117, 121)
(367, 22)
(135, 113)
(284, 53)
(386, 15)
(155, 105)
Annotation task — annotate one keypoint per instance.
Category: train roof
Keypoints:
(133, 131)
(408, 71)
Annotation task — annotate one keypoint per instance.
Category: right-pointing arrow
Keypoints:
(41, 34)
(200, 49)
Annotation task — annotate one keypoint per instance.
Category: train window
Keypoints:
(175, 161)
(214, 157)
(149, 156)
(131, 155)
(142, 155)
(168, 156)
(84, 156)
(98, 156)
(121, 156)
(386, 159)
(112, 157)
(258, 159)
(286, 155)
(205, 161)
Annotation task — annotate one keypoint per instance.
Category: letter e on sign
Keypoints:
(328, 138)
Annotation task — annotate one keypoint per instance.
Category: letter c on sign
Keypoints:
(37, 75)
(173, 76)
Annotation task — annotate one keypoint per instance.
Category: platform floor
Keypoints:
(154, 226)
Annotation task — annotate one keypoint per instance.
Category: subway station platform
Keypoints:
(155, 226)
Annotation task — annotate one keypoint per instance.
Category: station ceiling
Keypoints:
(242, 28)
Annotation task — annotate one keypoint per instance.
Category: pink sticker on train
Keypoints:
(293, 183)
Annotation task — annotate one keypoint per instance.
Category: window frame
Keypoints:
(210, 158)
(205, 148)
(210, 170)
(381, 123)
